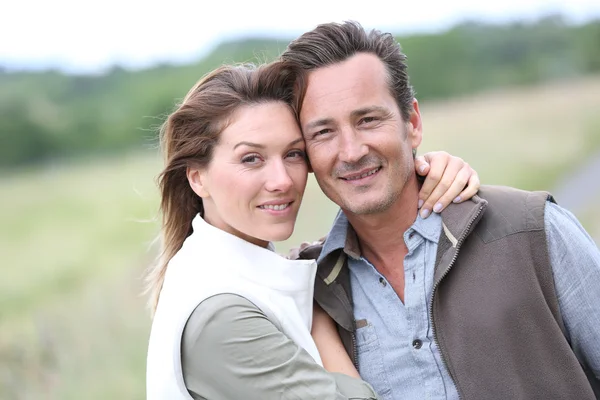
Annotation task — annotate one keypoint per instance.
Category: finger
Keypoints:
(437, 165)
(294, 252)
(451, 172)
(421, 165)
(457, 187)
(470, 190)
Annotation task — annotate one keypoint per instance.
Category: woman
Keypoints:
(234, 318)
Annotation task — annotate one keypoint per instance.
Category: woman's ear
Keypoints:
(198, 181)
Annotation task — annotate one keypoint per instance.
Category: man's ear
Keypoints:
(415, 126)
(198, 181)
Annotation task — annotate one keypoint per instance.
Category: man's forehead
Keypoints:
(357, 76)
(346, 98)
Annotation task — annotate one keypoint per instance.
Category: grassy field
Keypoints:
(590, 219)
(75, 238)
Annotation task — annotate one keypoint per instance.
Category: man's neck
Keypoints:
(381, 235)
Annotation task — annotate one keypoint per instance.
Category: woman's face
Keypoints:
(254, 183)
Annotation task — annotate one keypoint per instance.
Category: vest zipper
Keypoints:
(354, 350)
(436, 284)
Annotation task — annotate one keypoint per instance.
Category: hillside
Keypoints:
(47, 116)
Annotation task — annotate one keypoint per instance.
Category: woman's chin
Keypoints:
(278, 236)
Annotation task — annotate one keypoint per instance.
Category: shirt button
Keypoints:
(382, 281)
(417, 344)
(411, 235)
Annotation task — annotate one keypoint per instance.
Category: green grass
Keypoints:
(76, 238)
(526, 138)
(73, 246)
(590, 219)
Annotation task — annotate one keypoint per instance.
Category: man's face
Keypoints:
(359, 147)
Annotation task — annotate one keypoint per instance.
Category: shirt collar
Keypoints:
(430, 227)
(336, 239)
(342, 235)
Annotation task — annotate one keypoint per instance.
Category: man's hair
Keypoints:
(333, 43)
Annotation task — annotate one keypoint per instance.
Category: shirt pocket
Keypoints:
(371, 365)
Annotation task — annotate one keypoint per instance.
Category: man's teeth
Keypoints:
(363, 175)
(276, 207)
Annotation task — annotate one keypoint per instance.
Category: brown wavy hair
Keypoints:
(191, 132)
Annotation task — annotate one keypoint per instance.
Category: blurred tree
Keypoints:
(22, 141)
(50, 114)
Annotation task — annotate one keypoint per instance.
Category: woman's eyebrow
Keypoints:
(293, 142)
(250, 144)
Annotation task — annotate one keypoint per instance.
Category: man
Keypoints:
(494, 298)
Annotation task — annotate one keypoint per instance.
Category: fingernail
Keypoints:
(456, 199)
(420, 203)
(424, 213)
(437, 208)
(422, 168)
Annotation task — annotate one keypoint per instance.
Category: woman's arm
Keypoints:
(447, 179)
(329, 344)
(230, 350)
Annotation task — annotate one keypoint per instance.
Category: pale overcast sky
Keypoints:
(87, 36)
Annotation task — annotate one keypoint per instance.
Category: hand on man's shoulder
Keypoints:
(307, 250)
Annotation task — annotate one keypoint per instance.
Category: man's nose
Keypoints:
(352, 147)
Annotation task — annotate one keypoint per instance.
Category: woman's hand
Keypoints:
(329, 344)
(447, 179)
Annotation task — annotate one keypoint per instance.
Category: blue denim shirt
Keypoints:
(396, 351)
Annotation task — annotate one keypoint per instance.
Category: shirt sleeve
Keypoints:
(575, 260)
(230, 350)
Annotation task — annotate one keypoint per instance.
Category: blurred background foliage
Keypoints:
(78, 160)
(48, 115)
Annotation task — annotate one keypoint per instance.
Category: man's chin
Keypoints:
(368, 206)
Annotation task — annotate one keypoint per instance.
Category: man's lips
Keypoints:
(361, 174)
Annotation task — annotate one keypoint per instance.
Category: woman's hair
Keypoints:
(189, 136)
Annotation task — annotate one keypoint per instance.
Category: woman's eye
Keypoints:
(251, 159)
(297, 154)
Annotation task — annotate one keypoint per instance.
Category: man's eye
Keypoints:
(367, 120)
(322, 132)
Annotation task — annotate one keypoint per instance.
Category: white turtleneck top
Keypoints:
(249, 312)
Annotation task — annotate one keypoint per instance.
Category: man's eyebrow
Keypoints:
(366, 110)
(250, 144)
(355, 114)
(317, 123)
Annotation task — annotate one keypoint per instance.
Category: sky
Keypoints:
(89, 36)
